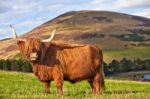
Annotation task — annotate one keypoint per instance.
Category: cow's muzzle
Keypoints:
(33, 56)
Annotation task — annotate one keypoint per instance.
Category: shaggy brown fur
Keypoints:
(60, 62)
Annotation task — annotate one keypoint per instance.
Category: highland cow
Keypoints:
(63, 62)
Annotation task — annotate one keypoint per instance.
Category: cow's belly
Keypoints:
(78, 75)
(81, 70)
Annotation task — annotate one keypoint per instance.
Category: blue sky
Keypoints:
(27, 14)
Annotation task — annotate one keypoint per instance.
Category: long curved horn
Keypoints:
(52, 36)
(14, 32)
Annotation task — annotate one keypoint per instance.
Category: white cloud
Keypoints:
(16, 5)
(99, 1)
(4, 31)
(26, 26)
(16, 10)
(131, 3)
(55, 7)
(145, 13)
(32, 23)
(100, 5)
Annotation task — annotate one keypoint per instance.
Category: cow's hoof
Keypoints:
(47, 92)
(60, 94)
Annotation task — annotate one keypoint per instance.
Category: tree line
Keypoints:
(124, 65)
(15, 65)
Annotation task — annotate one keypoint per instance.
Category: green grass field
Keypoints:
(130, 53)
(23, 85)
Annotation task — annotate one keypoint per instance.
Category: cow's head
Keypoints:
(31, 48)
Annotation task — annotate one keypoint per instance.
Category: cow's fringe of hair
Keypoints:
(43, 73)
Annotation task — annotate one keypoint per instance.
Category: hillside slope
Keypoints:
(107, 30)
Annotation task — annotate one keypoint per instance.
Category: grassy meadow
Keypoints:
(130, 53)
(25, 85)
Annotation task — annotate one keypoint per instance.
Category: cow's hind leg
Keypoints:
(47, 87)
(91, 84)
(96, 84)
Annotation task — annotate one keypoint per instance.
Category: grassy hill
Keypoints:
(108, 30)
(129, 53)
(22, 85)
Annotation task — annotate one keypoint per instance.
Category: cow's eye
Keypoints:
(34, 49)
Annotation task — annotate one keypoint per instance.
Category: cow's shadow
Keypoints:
(89, 93)
(125, 92)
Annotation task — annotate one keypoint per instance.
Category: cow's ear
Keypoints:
(20, 43)
(21, 46)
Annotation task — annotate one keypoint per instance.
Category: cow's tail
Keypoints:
(102, 82)
(101, 71)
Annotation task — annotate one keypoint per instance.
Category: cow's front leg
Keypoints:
(58, 78)
(47, 87)
(59, 85)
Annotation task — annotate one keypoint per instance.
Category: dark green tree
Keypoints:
(26, 67)
(146, 64)
(111, 68)
(1, 64)
(139, 64)
(20, 63)
(14, 65)
(126, 65)
(106, 71)
(115, 65)
(7, 65)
